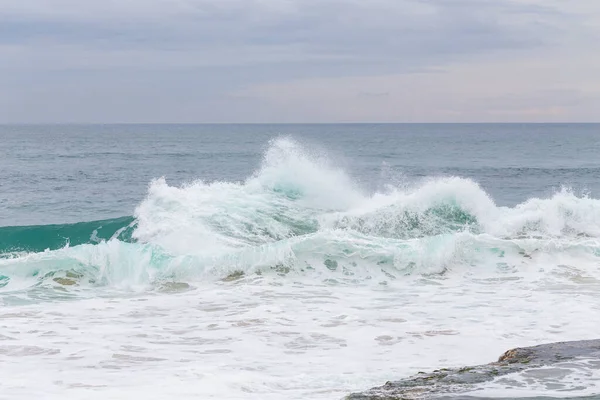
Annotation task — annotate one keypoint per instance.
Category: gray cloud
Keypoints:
(334, 29)
(193, 54)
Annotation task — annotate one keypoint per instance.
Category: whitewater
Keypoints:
(298, 283)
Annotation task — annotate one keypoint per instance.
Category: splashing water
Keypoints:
(300, 214)
(298, 260)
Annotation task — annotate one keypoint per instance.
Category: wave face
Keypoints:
(299, 214)
(15, 239)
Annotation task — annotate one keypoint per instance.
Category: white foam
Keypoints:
(335, 297)
(299, 211)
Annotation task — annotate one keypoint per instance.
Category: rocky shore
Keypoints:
(453, 381)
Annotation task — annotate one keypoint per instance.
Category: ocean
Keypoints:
(292, 261)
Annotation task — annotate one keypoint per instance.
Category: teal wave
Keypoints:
(37, 238)
(408, 224)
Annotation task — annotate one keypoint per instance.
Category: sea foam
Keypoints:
(300, 214)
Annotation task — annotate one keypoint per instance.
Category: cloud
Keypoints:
(537, 86)
(401, 32)
(197, 53)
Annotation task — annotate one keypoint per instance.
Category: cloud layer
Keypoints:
(243, 60)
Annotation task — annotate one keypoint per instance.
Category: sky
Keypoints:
(288, 61)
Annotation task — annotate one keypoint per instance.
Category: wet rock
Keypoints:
(456, 380)
(74, 275)
(234, 276)
(65, 281)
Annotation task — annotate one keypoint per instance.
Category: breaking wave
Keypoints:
(300, 214)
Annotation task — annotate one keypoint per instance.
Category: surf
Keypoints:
(299, 214)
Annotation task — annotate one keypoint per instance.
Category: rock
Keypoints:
(457, 380)
(74, 275)
(65, 281)
(234, 276)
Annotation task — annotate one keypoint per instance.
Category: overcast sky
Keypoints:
(299, 60)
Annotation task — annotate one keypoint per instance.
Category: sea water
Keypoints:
(292, 261)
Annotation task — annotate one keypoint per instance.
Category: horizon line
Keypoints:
(297, 123)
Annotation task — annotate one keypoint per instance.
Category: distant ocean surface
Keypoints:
(292, 261)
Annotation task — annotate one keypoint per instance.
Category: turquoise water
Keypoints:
(234, 247)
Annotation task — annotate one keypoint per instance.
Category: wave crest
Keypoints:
(298, 213)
